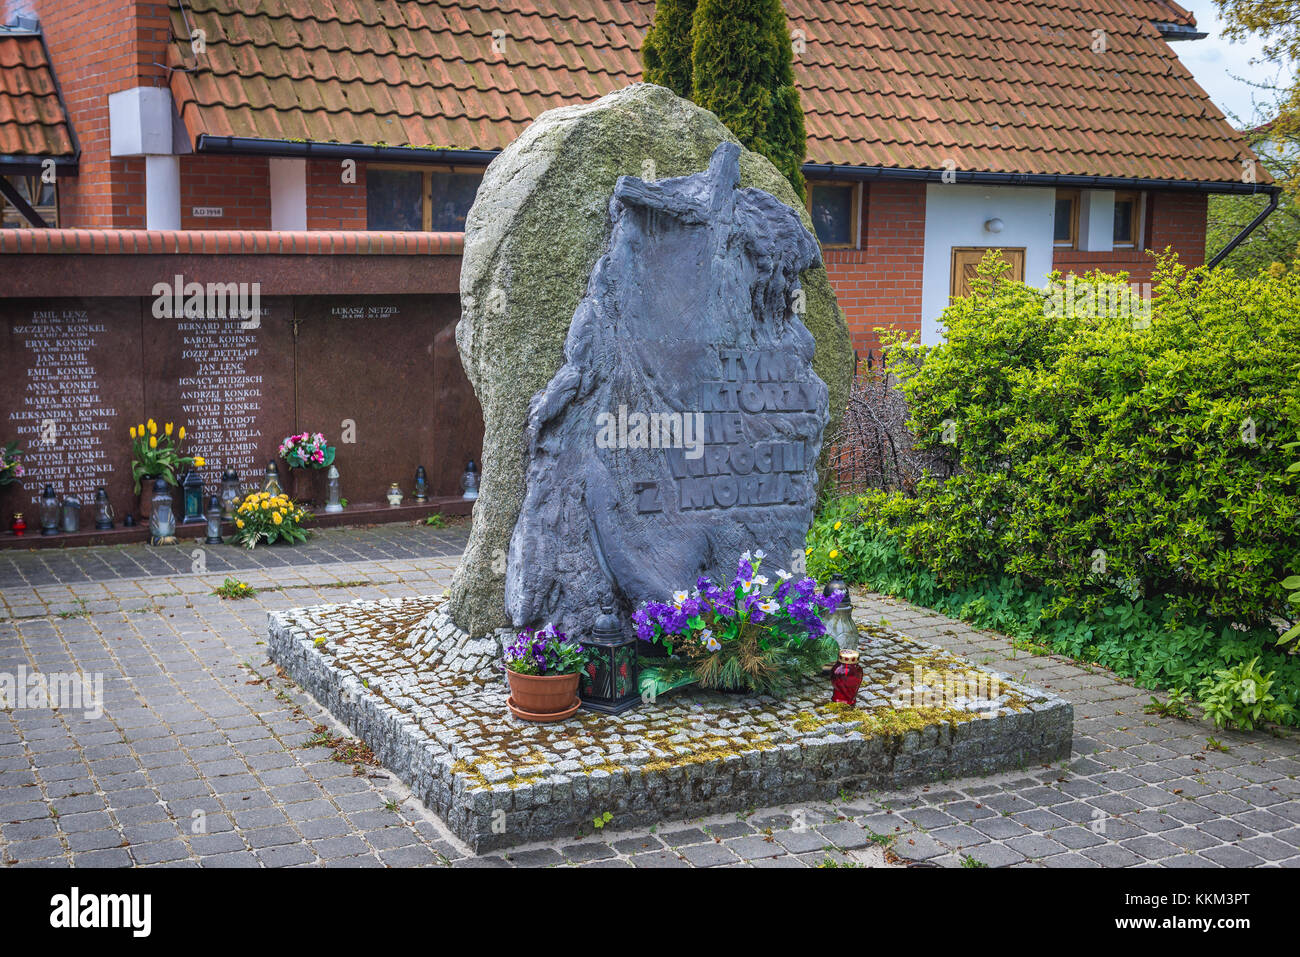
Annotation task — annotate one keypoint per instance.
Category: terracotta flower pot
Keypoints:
(543, 697)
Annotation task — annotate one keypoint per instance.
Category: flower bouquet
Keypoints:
(11, 466)
(307, 451)
(542, 668)
(263, 517)
(743, 638)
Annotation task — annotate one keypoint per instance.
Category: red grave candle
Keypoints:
(18, 526)
(846, 678)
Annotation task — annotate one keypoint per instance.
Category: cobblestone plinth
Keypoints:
(398, 674)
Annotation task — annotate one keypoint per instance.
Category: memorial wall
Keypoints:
(378, 375)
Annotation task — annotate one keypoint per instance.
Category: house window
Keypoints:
(42, 197)
(1066, 221)
(1128, 219)
(420, 198)
(834, 211)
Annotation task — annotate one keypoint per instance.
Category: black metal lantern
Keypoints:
(469, 482)
(214, 522)
(192, 498)
(421, 485)
(49, 511)
(610, 681)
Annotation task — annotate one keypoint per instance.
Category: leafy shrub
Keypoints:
(1102, 456)
(1241, 696)
(1121, 489)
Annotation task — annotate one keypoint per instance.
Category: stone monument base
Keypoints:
(430, 703)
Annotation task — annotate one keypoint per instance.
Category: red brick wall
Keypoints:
(879, 285)
(331, 203)
(98, 47)
(240, 185)
(1172, 219)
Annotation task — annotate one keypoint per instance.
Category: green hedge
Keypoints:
(1121, 487)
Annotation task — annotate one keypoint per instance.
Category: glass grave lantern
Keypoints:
(192, 497)
(229, 494)
(104, 514)
(49, 511)
(271, 484)
(162, 520)
(840, 624)
(469, 481)
(421, 485)
(70, 511)
(610, 682)
(846, 678)
(214, 522)
(394, 495)
(333, 491)
(18, 525)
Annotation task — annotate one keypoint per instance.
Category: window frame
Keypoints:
(1136, 221)
(855, 210)
(1076, 197)
(48, 213)
(426, 183)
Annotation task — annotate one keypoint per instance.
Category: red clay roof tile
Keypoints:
(994, 85)
(32, 119)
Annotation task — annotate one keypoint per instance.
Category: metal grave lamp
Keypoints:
(71, 511)
(229, 494)
(49, 510)
(469, 481)
(610, 681)
(271, 484)
(421, 485)
(333, 491)
(162, 520)
(840, 624)
(104, 514)
(192, 498)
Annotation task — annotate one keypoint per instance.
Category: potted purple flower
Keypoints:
(542, 668)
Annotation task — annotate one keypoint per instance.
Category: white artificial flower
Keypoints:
(746, 557)
(767, 606)
(706, 637)
(761, 579)
(679, 597)
(784, 575)
(760, 554)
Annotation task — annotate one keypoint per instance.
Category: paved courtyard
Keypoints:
(205, 756)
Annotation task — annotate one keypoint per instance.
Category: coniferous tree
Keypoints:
(743, 72)
(666, 53)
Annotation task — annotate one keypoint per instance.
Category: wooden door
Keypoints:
(966, 260)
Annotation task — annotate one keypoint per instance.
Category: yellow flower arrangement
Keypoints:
(262, 517)
(155, 455)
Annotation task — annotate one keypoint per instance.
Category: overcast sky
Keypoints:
(1217, 63)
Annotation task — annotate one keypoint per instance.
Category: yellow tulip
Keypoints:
(140, 428)
(168, 428)
(239, 523)
(181, 433)
(198, 462)
(153, 441)
(133, 431)
(153, 427)
(266, 505)
(277, 518)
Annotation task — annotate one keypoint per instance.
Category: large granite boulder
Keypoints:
(541, 221)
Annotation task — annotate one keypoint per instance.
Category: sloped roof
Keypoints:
(990, 85)
(33, 122)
